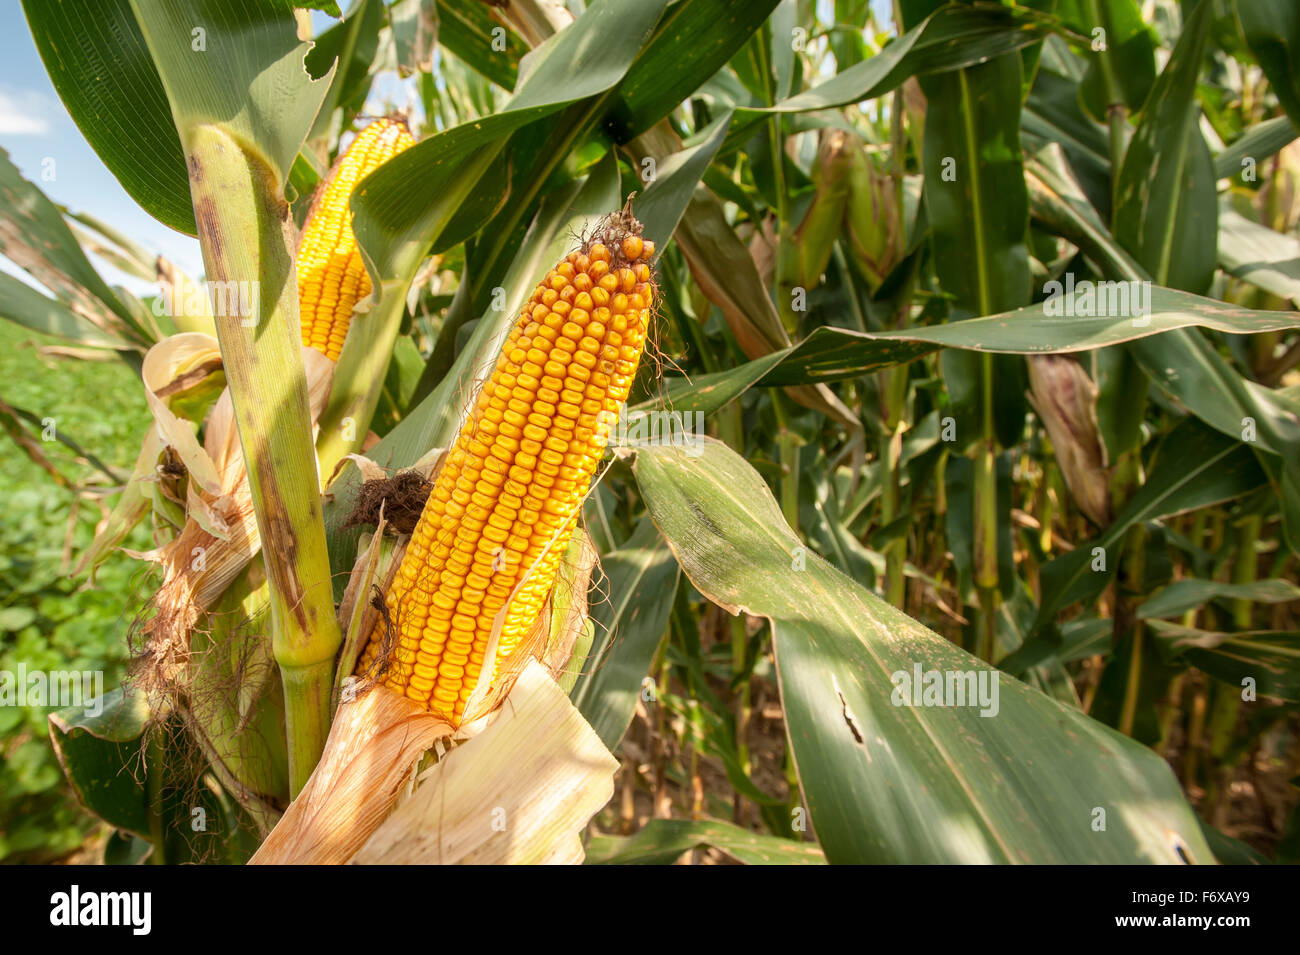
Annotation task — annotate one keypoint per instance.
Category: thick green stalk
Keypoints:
(1130, 586)
(1243, 570)
(155, 770)
(246, 233)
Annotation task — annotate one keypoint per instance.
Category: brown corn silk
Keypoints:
(509, 493)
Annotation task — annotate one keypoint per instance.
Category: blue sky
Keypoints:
(35, 125)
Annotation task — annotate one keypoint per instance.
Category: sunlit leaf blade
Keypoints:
(250, 81)
(887, 783)
(1257, 144)
(1260, 255)
(1183, 595)
(695, 39)
(35, 236)
(21, 303)
(661, 841)
(630, 612)
(833, 354)
(1166, 214)
(661, 206)
(400, 209)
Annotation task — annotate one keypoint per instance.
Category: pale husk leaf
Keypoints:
(518, 792)
(373, 748)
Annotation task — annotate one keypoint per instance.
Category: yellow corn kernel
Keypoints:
(496, 526)
(331, 275)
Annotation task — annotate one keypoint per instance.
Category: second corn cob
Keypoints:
(331, 276)
(508, 496)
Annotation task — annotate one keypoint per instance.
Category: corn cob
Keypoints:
(331, 275)
(511, 487)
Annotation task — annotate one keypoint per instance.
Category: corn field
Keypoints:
(675, 431)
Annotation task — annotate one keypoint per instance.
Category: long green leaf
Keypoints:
(1166, 212)
(661, 841)
(898, 783)
(1272, 31)
(24, 305)
(1259, 255)
(1183, 595)
(1258, 143)
(694, 41)
(1270, 658)
(468, 30)
(630, 611)
(35, 236)
(124, 114)
(833, 354)
(401, 208)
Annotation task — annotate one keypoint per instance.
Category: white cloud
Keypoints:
(25, 113)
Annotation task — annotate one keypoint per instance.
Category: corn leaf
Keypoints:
(1271, 659)
(24, 305)
(1257, 143)
(1259, 255)
(467, 29)
(660, 841)
(914, 784)
(1272, 31)
(400, 209)
(126, 119)
(1165, 210)
(833, 354)
(629, 630)
(1183, 595)
(34, 235)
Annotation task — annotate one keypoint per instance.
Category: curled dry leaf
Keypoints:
(219, 538)
(1065, 398)
(520, 785)
(373, 748)
(520, 788)
(172, 366)
(520, 791)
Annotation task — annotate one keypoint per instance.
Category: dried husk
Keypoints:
(534, 765)
(373, 747)
(519, 792)
(1065, 398)
(220, 535)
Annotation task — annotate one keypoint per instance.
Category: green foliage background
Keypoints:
(47, 619)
